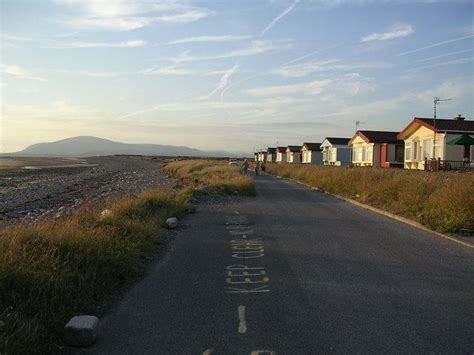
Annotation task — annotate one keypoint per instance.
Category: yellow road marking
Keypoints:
(242, 322)
(207, 352)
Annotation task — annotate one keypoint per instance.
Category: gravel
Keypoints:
(32, 195)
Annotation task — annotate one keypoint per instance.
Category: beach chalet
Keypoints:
(336, 151)
(422, 144)
(280, 155)
(271, 155)
(377, 149)
(293, 154)
(311, 153)
(262, 156)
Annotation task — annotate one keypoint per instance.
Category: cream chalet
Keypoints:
(280, 155)
(271, 155)
(311, 153)
(336, 151)
(377, 149)
(426, 139)
(293, 154)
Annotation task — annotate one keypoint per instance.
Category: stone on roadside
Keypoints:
(105, 213)
(172, 223)
(81, 331)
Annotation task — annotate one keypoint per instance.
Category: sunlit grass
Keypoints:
(443, 201)
(54, 270)
(214, 174)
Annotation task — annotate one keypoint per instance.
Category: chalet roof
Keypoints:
(456, 125)
(312, 146)
(271, 150)
(281, 149)
(338, 141)
(294, 148)
(377, 137)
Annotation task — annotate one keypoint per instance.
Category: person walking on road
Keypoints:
(245, 166)
(263, 166)
(257, 166)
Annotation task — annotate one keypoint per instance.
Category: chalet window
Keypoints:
(408, 151)
(370, 154)
(427, 148)
(399, 153)
(438, 149)
(364, 154)
(416, 153)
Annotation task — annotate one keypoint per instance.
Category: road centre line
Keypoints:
(242, 321)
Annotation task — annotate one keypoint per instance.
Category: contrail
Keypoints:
(279, 17)
(435, 45)
(223, 80)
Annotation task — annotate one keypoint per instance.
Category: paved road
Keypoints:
(293, 271)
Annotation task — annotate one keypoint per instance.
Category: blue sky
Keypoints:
(233, 75)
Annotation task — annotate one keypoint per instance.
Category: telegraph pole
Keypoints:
(436, 101)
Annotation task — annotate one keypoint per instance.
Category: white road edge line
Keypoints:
(242, 322)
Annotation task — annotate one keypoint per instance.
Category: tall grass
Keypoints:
(57, 269)
(442, 201)
(214, 174)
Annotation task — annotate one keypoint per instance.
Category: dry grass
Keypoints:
(214, 174)
(442, 201)
(53, 270)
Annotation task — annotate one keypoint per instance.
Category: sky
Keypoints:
(229, 75)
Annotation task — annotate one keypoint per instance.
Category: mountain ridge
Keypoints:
(82, 146)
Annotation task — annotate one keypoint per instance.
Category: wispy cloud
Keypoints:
(279, 17)
(399, 30)
(167, 71)
(190, 15)
(435, 45)
(19, 72)
(445, 55)
(450, 62)
(341, 86)
(311, 87)
(123, 15)
(78, 45)
(254, 48)
(223, 81)
(303, 69)
(198, 39)
(97, 74)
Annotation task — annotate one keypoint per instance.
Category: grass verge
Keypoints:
(441, 201)
(202, 175)
(54, 270)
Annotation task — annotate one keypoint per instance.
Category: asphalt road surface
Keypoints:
(294, 271)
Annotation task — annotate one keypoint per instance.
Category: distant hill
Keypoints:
(84, 146)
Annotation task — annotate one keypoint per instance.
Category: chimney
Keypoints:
(459, 118)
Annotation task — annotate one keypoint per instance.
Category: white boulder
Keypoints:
(172, 222)
(81, 331)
